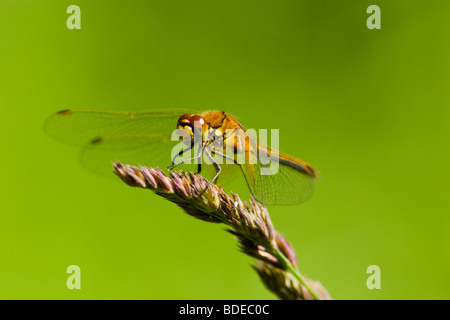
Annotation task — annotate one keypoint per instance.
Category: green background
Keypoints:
(368, 108)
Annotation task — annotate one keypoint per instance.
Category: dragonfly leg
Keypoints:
(199, 166)
(200, 151)
(242, 169)
(178, 155)
(181, 162)
(216, 166)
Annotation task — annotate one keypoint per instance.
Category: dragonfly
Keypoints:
(147, 138)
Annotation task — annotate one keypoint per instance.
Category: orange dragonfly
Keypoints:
(146, 138)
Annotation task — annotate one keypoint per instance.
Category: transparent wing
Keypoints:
(136, 138)
(283, 180)
(150, 150)
(81, 127)
(287, 186)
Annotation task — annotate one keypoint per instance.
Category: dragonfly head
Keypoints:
(193, 123)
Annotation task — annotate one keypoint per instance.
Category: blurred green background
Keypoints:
(368, 108)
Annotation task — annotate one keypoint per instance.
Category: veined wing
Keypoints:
(292, 180)
(81, 127)
(137, 138)
(272, 176)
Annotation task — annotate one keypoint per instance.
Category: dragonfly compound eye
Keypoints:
(198, 121)
(183, 120)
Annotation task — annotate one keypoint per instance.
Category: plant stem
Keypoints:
(282, 258)
(295, 272)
